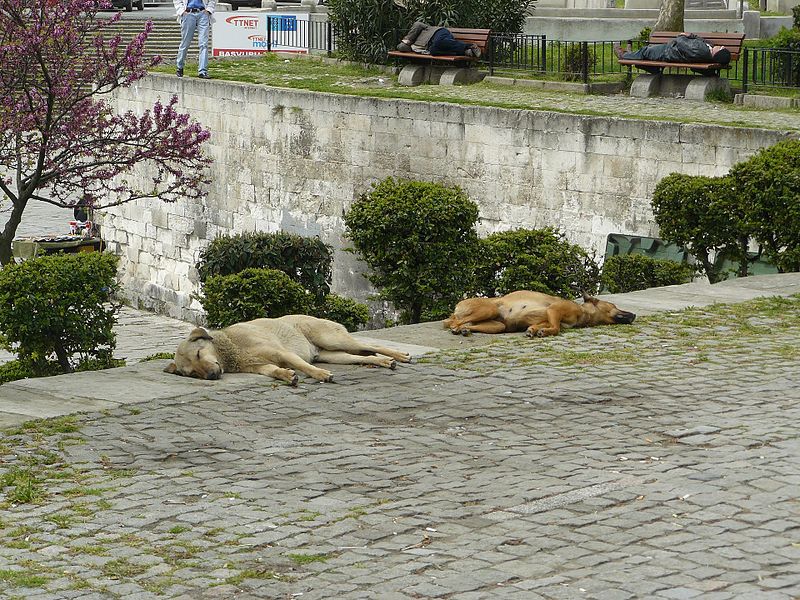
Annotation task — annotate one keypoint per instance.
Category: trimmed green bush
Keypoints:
(631, 272)
(15, 370)
(252, 294)
(704, 215)
(350, 313)
(305, 260)
(419, 240)
(60, 306)
(541, 260)
(768, 187)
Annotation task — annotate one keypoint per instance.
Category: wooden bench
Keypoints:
(445, 69)
(693, 87)
(732, 41)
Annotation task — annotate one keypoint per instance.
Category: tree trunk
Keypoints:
(10, 229)
(670, 16)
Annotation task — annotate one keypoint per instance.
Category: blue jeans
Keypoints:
(199, 21)
(443, 43)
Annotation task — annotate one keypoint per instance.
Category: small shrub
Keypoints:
(350, 313)
(252, 294)
(419, 240)
(60, 306)
(306, 260)
(768, 186)
(15, 370)
(705, 216)
(796, 17)
(540, 260)
(631, 272)
(572, 61)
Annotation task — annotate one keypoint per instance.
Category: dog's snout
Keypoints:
(214, 372)
(624, 316)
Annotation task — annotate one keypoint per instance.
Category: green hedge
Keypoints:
(631, 272)
(705, 216)
(252, 294)
(768, 188)
(61, 307)
(541, 260)
(305, 260)
(419, 241)
(350, 313)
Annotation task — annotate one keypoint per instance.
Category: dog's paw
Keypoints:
(455, 331)
(406, 358)
(392, 364)
(465, 332)
(293, 380)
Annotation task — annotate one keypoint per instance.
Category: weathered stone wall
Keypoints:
(295, 160)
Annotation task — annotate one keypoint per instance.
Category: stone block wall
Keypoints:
(294, 160)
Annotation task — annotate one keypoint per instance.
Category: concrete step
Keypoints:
(163, 40)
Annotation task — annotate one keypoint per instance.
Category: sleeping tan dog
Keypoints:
(537, 314)
(278, 348)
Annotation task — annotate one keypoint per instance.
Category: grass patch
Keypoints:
(256, 574)
(159, 356)
(22, 578)
(178, 529)
(25, 486)
(89, 550)
(305, 559)
(59, 520)
(45, 427)
(122, 568)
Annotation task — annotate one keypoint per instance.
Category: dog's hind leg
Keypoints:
(338, 357)
(339, 340)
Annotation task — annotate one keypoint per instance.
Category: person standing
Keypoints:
(194, 15)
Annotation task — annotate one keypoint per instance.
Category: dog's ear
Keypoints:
(171, 368)
(198, 333)
(589, 299)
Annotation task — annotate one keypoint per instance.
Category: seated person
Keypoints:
(685, 48)
(436, 41)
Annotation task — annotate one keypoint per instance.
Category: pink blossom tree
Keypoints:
(61, 142)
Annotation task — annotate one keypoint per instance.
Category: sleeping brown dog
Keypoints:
(277, 348)
(535, 313)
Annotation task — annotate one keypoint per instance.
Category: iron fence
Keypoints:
(536, 55)
(775, 68)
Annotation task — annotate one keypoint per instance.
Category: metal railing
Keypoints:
(775, 68)
(536, 55)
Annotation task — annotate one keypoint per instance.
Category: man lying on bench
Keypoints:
(436, 41)
(683, 48)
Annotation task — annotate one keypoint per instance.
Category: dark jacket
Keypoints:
(683, 48)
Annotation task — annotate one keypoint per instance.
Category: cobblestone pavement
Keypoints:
(656, 460)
